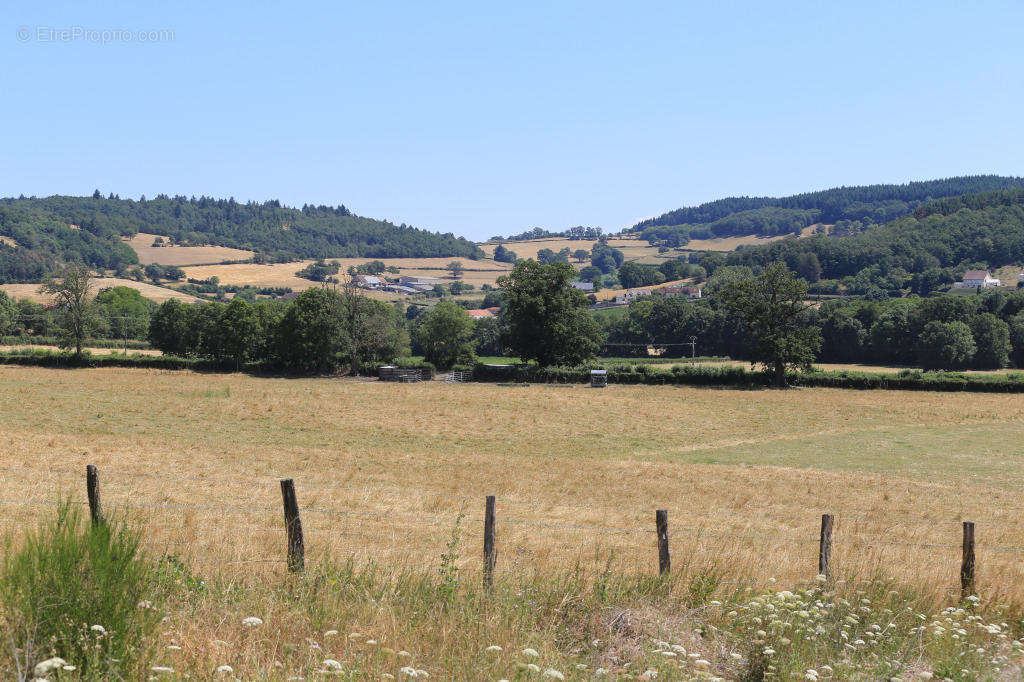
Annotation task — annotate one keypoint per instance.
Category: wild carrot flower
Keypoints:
(331, 664)
(553, 674)
(43, 668)
(162, 669)
(252, 622)
(493, 647)
(225, 670)
(530, 652)
(99, 629)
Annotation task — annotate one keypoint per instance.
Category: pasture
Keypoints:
(396, 463)
(142, 243)
(392, 477)
(150, 291)
(477, 273)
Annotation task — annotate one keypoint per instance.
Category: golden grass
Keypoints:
(477, 273)
(8, 240)
(632, 249)
(150, 291)
(382, 470)
(142, 243)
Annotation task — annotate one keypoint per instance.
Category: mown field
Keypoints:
(476, 273)
(762, 463)
(150, 291)
(142, 243)
(384, 471)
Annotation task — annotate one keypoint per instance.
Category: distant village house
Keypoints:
(977, 278)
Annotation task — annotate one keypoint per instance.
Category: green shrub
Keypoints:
(81, 592)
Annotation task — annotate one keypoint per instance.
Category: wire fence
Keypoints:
(294, 538)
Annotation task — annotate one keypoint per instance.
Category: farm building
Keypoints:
(369, 281)
(978, 278)
(480, 313)
(688, 292)
(586, 287)
(413, 280)
(630, 295)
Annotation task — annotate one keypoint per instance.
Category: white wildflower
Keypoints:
(330, 633)
(493, 647)
(162, 669)
(371, 642)
(99, 629)
(173, 647)
(225, 670)
(532, 653)
(408, 670)
(331, 664)
(601, 672)
(553, 674)
(355, 635)
(403, 654)
(533, 667)
(43, 668)
(701, 664)
(252, 622)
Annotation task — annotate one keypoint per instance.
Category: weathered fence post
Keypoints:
(661, 523)
(489, 556)
(825, 547)
(293, 525)
(92, 489)
(967, 565)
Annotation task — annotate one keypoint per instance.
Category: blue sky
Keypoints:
(491, 118)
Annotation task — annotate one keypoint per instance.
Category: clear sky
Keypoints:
(485, 118)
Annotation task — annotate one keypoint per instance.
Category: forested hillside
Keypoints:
(770, 216)
(55, 229)
(923, 251)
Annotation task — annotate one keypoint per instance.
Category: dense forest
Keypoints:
(770, 216)
(41, 229)
(922, 252)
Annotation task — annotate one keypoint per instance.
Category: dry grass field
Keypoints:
(383, 472)
(632, 249)
(150, 291)
(476, 273)
(142, 243)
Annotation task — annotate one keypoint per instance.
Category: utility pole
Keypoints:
(693, 351)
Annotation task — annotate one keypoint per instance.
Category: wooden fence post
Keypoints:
(293, 526)
(967, 565)
(489, 555)
(92, 489)
(825, 547)
(661, 524)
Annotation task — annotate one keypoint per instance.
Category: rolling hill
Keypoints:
(41, 233)
(778, 216)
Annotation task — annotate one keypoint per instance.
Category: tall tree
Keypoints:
(547, 317)
(446, 335)
(76, 312)
(770, 307)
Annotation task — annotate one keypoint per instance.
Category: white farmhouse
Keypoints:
(978, 278)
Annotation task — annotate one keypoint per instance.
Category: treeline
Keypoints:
(870, 204)
(40, 227)
(919, 254)
(116, 313)
(952, 332)
(319, 332)
(578, 232)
